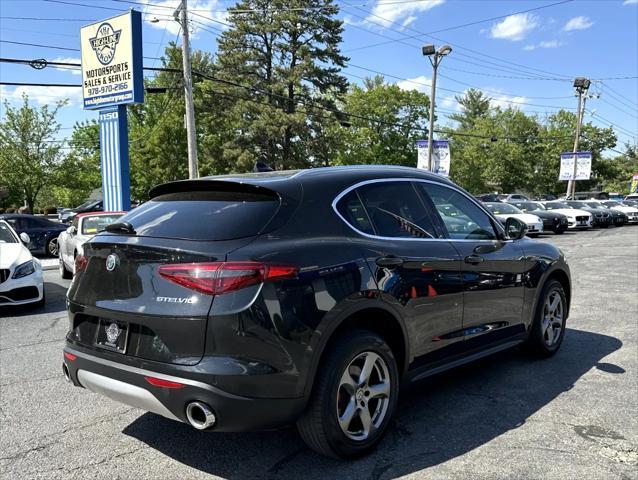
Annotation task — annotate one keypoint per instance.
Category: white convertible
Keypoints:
(20, 273)
(503, 211)
(82, 229)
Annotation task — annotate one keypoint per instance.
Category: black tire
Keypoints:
(559, 231)
(64, 272)
(537, 341)
(319, 425)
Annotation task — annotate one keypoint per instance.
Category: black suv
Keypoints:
(254, 301)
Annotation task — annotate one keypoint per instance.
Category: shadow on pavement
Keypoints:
(437, 420)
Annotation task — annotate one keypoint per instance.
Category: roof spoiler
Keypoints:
(204, 185)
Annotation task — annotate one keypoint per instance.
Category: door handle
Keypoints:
(473, 259)
(389, 262)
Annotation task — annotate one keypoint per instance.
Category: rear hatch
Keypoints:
(130, 295)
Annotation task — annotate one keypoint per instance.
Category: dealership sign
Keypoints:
(112, 61)
(440, 156)
(583, 166)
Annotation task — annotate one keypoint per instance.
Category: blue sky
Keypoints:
(523, 59)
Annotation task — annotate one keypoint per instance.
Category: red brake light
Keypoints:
(159, 382)
(80, 263)
(69, 356)
(216, 278)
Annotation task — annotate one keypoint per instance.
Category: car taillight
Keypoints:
(216, 278)
(80, 263)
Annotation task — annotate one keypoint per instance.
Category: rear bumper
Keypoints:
(127, 384)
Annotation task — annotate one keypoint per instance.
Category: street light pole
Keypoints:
(582, 85)
(435, 65)
(435, 58)
(181, 15)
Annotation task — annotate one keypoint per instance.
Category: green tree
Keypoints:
(400, 119)
(79, 171)
(157, 136)
(284, 55)
(474, 105)
(29, 151)
(498, 151)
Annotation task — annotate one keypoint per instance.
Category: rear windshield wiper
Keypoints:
(120, 227)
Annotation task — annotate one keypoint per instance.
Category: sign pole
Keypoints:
(116, 182)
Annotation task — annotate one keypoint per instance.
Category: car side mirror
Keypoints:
(515, 228)
(71, 230)
(25, 238)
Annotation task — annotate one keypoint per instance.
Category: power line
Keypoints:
(515, 102)
(456, 45)
(476, 22)
(54, 47)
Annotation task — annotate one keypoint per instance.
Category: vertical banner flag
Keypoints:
(633, 188)
(583, 166)
(440, 156)
(112, 77)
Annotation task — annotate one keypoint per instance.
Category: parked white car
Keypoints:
(503, 211)
(83, 227)
(20, 273)
(576, 218)
(631, 212)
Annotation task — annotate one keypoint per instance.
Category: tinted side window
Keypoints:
(352, 210)
(396, 210)
(462, 218)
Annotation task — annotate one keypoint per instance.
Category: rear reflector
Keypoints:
(158, 382)
(69, 356)
(216, 278)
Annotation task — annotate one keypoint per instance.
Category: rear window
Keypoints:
(204, 215)
(97, 224)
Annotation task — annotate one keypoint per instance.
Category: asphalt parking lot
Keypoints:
(572, 416)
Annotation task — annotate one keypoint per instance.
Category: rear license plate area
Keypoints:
(112, 335)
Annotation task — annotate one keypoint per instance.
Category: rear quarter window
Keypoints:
(204, 215)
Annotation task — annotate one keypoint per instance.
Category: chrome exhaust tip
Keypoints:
(200, 415)
(67, 375)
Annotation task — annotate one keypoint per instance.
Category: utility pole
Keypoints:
(435, 58)
(582, 85)
(181, 15)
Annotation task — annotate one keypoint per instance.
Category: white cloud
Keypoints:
(399, 12)
(515, 27)
(420, 84)
(544, 44)
(200, 11)
(41, 95)
(578, 23)
(73, 70)
(506, 101)
(630, 2)
(449, 102)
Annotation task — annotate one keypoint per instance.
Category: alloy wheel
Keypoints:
(363, 396)
(553, 318)
(52, 247)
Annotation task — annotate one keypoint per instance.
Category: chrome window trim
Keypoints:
(418, 180)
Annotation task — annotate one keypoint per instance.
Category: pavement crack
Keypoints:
(51, 325)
